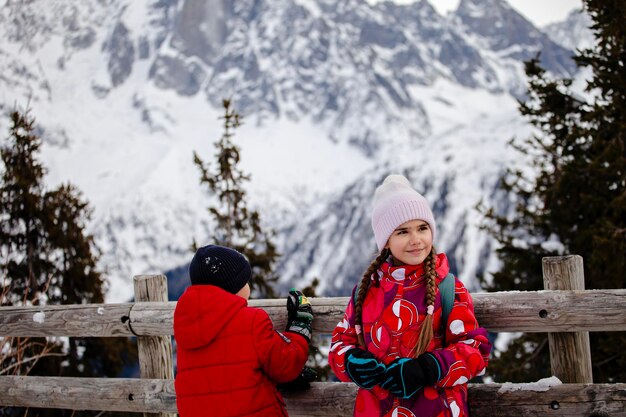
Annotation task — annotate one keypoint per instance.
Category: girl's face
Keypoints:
(411, 242)
(244, 292)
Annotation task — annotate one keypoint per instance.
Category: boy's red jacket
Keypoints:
(230, 357)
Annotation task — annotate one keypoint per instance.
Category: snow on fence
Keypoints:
(565, 310)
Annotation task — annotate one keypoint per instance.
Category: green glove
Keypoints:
(299, 314)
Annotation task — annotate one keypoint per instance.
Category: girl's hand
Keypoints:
(363, 368)
(405, 376)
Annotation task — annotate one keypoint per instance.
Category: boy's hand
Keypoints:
(302, 381)
(299, 314)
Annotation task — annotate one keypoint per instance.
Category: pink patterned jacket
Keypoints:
(392, 319)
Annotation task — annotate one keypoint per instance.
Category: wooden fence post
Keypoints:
(155, 352)
(570, 353)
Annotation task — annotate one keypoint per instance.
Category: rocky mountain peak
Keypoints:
(335, 96)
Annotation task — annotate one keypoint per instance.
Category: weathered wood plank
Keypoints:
(529, 311)
(515, 311)
(157, 318)
(323, 399)
(151, 319)
(552, 311)
(111, 394)
(532, 400)
(79, 320)
(570, 352)
(155, 352)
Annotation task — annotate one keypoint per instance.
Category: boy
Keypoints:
(229, 356)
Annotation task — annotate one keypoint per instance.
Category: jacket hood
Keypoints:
(202, 312)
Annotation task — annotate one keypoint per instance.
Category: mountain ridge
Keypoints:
(333, 98)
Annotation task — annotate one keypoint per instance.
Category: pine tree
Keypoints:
(80, 281)
(24, 262)
(23, 242)
(577, 196)
(237, 226)
(48, 258)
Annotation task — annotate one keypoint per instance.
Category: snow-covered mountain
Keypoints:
(572, 33)
(335, 96)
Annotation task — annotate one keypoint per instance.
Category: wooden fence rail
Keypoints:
(564, 310)
(334, 399)
(528, 311)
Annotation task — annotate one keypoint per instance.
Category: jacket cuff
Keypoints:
(430, 367)
(303, 335)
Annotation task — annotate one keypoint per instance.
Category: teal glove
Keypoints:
(299, 314)
(363, 368)
(405, 376)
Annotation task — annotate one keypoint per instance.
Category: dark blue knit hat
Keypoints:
(220, 266)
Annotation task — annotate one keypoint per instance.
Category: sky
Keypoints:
(540, 12)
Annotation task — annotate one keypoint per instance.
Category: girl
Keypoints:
(392, 342)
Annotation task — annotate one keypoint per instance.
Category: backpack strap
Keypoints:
(356, 291)
(446, 290)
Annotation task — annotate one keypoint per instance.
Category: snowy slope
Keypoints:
(574, 32)
(334, 96)
(454, 169)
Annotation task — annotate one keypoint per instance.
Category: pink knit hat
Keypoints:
(395, 203)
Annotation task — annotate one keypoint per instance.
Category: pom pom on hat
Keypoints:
(220, 266)
(395, 203)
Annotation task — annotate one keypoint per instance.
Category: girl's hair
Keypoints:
(430, 272)
(364, 285)
(430, 265)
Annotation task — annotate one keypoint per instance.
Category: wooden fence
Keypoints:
(564, 310)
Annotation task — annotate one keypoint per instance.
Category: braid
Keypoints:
(363, 287)
(430, 272)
